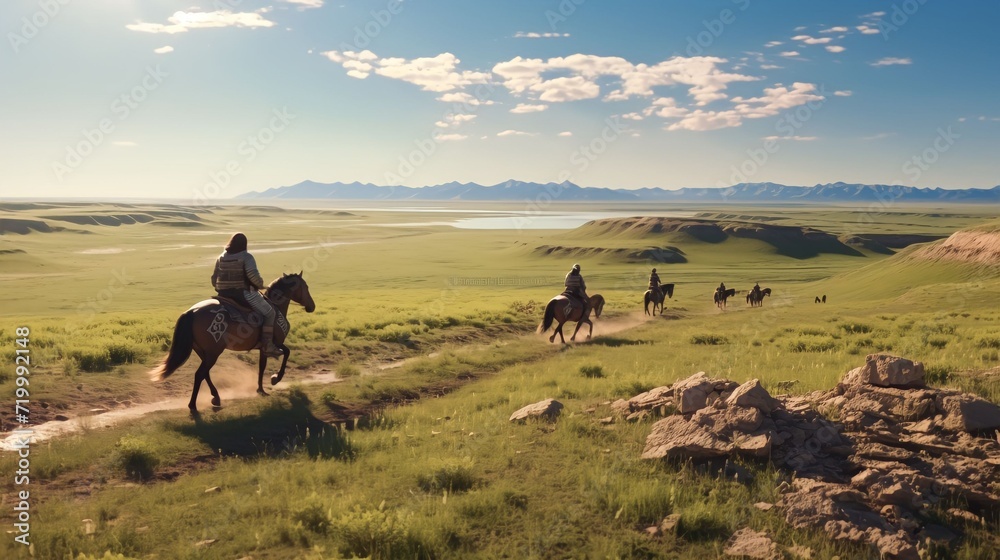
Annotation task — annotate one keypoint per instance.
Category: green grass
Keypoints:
(445, 475)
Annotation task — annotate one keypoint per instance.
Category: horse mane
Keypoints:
(283, 279)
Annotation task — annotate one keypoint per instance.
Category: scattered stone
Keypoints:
(965, 515)
(670, 523)
(61, 417)
(969, 413)
(884, 370)
(608, 420)
(548, 409)
(764, 506)
(676, 438)
(747, 543)
(653, 531)
(212, 489)
(205, 543)
(89, 527)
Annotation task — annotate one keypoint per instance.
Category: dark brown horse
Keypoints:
(757, 299)
(666, 291)
(209, 329)
(721, 297)
(556, 310)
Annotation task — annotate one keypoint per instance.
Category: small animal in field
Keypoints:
(824, 298)
(819, 299)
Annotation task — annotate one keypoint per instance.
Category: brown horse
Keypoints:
(666, 291)
(757, 300)
(556, 310)
(205, 328)
(721, 297)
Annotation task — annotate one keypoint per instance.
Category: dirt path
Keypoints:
(235, 379)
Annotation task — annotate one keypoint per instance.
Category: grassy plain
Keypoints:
(434, 469)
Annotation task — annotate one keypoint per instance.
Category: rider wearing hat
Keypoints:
(237, 278)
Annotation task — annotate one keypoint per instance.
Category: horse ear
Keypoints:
(300, 272)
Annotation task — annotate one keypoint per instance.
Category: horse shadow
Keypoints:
(284, 427)
(613, 342)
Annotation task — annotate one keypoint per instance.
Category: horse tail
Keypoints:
(180, 348)
(550, 315)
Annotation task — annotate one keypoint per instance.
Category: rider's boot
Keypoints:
(267, 343)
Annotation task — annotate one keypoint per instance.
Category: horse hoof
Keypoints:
(216, 401)
(275, 379)
(262, 393)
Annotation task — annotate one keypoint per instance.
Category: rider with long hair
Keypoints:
(237, 278)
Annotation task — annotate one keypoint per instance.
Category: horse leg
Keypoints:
(284, 361)
(260, 374)
(202, 375)
(591, 333)
(559, 331)
(577, 329)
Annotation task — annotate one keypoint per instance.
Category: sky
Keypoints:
(208, 99)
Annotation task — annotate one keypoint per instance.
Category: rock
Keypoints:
(608, 420)
(212, 489)
(89, 527)
(670, 522)
(677, 438)
(895, 546)
(653, 531)
(968, 413)
(691, 394)
(884, 370)
(764, 506)
(747, 543)
(937, 534)
(752, 395)
(758, 445)
(206, 542)
(621, 407)
(654, 398)
(965, 516)
(61, 418)
(548, 409)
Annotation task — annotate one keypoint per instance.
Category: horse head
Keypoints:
(597, 304)
(294, 287)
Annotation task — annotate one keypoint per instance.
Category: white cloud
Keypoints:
(800, 28)
(566, 89)
(835, 48)
(633, 116)
(533, 35)
(306, 4)
(879, 136)
(770, 67)
(891, 61)
(701, 120)
(867, 30)
(837, 29)
(515, 133)
(181, 21)
(774, 43)
(164, 50)
(431, 74)
(464, 98)
(873, 15)
(565, 133)
(811, 40)
(450, 137)
(528, 108)
(789, 54)
(792, 138)
(455, 119)
(776, 99)
(843, 93)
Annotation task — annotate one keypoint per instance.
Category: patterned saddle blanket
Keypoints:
(228, 311)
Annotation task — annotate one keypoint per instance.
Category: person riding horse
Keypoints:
(576, 287)
(654, 285)
(236, 277)
(756, 290)
(721, 289)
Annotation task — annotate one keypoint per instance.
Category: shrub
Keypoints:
(453, 477)
(375, 534)
(91, 360)
(313, 517)
(119, 354)
(709, 339)
(802, 345)
(988, 342)
(135, 457)
(592, 371)
(939, 375)
(856, 328)
(938, 342)
(346, 370)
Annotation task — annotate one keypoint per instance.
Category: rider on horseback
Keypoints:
(654, 285)
(237, 278)
(721, 289)
(576, 287)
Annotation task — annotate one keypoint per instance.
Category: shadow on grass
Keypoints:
(613, 342)
(284, 427)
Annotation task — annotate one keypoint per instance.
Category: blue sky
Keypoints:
(210, 99)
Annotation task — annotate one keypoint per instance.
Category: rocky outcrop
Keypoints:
(897, 449)
(548, 410)
(747, 543)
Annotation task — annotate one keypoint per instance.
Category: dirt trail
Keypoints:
(235, 379)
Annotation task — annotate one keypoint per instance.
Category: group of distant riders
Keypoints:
(236, 277)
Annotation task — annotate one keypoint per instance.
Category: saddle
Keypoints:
(240, 312)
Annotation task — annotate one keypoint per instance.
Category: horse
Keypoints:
(556, 310)
(204, 328)
(666, 291)
(757, 300)
(721, 297)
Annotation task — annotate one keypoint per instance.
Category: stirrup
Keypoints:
(272, 351)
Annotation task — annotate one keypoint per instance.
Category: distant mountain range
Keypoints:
(569, 192)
